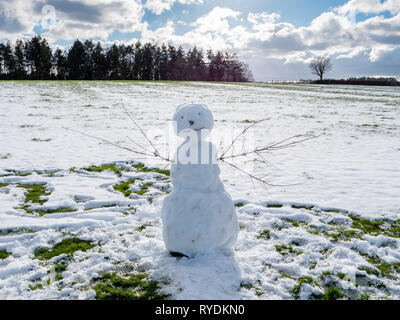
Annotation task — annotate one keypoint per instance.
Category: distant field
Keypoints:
(354, 164)
(80, 219)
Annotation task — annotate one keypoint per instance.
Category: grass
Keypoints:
(332, 293)
(66, 246)
(34, 192)
(142, 168)
(60, 267)
(297, 288)
(265, 234)
(58, 210)
(113, 287)
(246, 285)
(124, 187)
(105, 167)
(41, 140)
(4, 254)
(5, 156)
(36, 287)
(274, 205)
(143, 188)
(2, 185)
(239, 204)
(367, 226)
(298, 206)
(143, 226)
(384, 268)
(345, 235)
(19, 173)
(285, 250)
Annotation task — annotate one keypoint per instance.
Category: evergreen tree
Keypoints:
(113, 62)
(137, 65)
(196, 67)
(19, 52)
(164, 59)
(45, 60)
(2, 52)
(99, 63)
(77, 61)
(171, 63)
(34, 59)
(89, 64)
(9, 61)
(60, 65)
(147, 62)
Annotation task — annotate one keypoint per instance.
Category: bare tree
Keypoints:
(320, 66)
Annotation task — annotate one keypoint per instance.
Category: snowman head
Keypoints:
(194, 117)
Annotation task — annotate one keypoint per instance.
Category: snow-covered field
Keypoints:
(303, 241)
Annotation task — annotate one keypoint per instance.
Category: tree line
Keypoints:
(34, 60)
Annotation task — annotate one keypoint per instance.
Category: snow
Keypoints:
(352, 168)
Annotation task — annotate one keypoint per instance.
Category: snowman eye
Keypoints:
(182, 117)
(199, 113)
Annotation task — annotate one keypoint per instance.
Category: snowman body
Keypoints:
(199, 215)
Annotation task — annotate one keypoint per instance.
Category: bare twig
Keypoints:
(271, 147)
(264, 182)
(238, 136)
(117, 145)
(156, 152)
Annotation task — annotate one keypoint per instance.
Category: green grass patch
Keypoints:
(384, 268)
(239, 204)
(285, 250)
(66, 246)
(58, 210)
(2, 185)
(297, 288)
(105, 167)
(265, 234)
(367, 226)
(19, 173)
(297, 206)
(332, 293)
(137, 287)
(370, 271)
(5, 156)
(60, 267)
(143, 226)
(4, 254)
(36, 286)
(41, 140)
(345, 235)
(274, 205)
(34, 192)
(364, 296)
(142, 168)
(143, 188)
(124, 186)
(246, 285)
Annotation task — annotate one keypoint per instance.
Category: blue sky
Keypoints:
(276, 38)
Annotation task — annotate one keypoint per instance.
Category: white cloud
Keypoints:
(216, 21)
(369, 6)
(159, 6)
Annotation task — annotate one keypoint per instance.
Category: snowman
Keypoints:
(198, 216)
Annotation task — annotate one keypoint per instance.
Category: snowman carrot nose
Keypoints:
(191, 122)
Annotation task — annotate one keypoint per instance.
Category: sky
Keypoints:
(277, 38)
